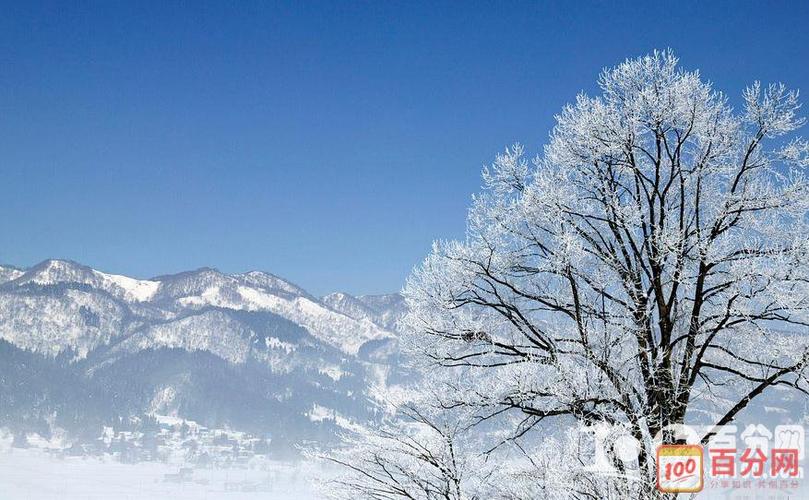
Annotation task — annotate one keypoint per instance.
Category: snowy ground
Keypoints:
(33, 474)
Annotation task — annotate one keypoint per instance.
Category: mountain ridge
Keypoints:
(195, 345)
(206, 286)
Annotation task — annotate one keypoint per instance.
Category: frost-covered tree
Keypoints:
(651, 262)
(418, 455)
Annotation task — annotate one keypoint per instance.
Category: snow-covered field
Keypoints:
(35, 474)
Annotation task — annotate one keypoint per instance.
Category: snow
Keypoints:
(36, 475)
(9, 273)
(163, 400)
(135, 289)
(337, 329)
(210, 295)
(332, 371)
(96, 324)
(383, 310)
(54, 271)
(211, 331)
(274, 343)
(48, 324)
(320, 413)
(259, 279)
(85, 312)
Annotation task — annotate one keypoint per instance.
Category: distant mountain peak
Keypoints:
(201, 271)
(57, 267)
(9, 273)
(61, 271)
(383, 310)
(270, 281)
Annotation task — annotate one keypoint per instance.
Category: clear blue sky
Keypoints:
(329, 143)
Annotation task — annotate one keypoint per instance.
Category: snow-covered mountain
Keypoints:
(250, 350)
(58, 305)
(8, 273)
(382, 310)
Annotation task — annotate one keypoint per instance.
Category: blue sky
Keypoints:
(329, 143)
